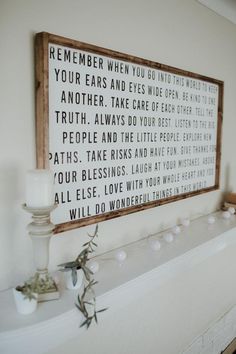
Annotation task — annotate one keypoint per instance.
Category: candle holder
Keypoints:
(40, 231)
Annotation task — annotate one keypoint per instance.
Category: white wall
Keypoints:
(179, 33)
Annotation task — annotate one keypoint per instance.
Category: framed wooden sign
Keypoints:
(121, 133)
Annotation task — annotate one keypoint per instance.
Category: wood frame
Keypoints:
(42, 111)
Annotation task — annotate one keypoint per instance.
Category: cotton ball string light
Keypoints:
(168, 237)
(211, 220)
(231, 210)
(93, 266)
(120, 256)
(176, 230)
(155, 245)
(226, 215)
(185, 222)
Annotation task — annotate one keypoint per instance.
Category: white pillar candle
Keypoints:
(39, 188)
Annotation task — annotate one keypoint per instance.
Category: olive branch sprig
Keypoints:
(88, 307)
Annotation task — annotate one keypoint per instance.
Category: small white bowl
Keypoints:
(24, 306)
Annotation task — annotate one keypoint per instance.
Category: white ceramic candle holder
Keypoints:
(40, 231)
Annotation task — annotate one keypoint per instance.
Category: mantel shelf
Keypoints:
(57, 321)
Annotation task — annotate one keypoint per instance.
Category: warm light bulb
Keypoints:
(176, 230)
(226, 215)
(231, 210)
(185, 222)
(121, 256)
(211, 220)
(168, 237)
(93, 266)
(155, 245)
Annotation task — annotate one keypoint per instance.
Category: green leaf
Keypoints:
(86, 274)
(79, 308)
(93, 282)
(74, 276)
(84, 323)
(68, 264)
(89, 322)
(88, 270)
(96, 230)
(88, 303)
(95, 317)
(102, 310)
(79, 301)
(65, 270)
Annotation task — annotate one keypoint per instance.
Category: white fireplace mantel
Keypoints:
(57, 321)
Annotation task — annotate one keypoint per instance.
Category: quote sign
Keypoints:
(121, 133)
